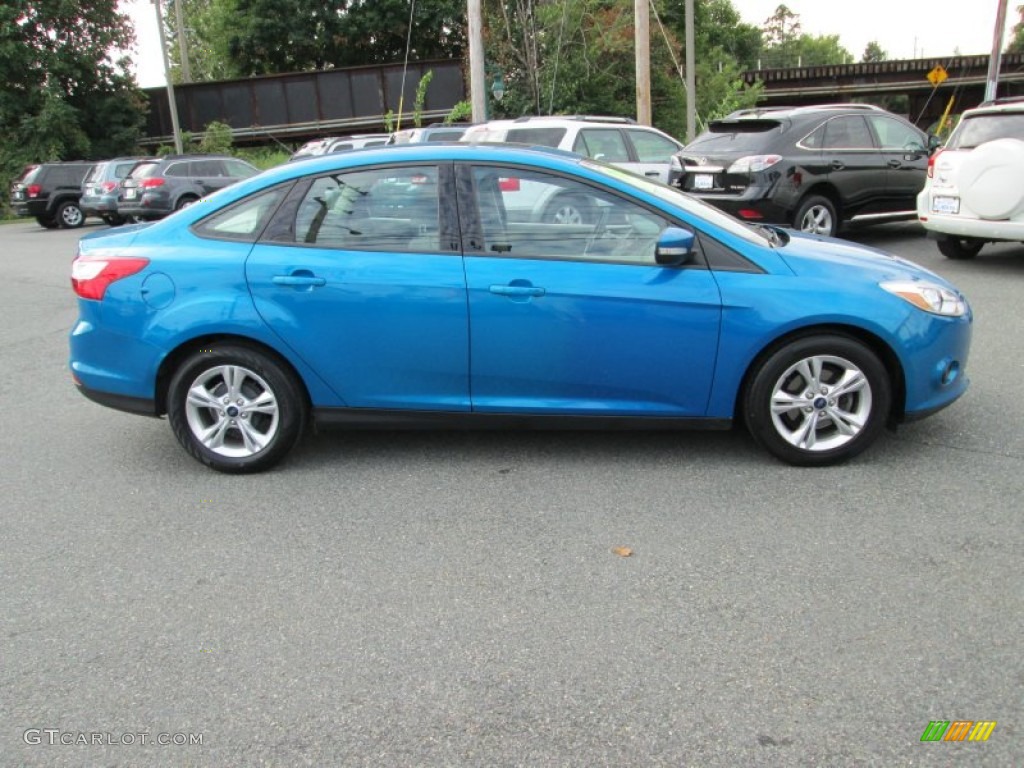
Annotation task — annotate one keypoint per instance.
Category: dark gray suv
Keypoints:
(157, 187)
(812, 168)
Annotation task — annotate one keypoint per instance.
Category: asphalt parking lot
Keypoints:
(428, 599)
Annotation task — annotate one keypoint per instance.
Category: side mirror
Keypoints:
(675, 247)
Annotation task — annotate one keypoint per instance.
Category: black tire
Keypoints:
(817, 216)
(569, 209)
(113, 219)
(236, 433)
(47, 222)
(69, 215)
(819, 429)
(185, 201)
(959, 248)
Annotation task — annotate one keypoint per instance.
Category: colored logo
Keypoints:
(958, 730)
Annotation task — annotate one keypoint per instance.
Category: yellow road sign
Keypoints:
(938, 75)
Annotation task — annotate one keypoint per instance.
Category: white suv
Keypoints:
(616, 140)
(974, 192)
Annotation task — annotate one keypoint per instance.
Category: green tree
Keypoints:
(873, 52)
(578, 57)
(274, 36)
(786, 46)
(1016, 45)
(207, 28)
(63, 95)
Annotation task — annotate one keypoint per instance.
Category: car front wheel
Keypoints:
(959, 248)
(236, 409)
(817, 216)
(818, 400)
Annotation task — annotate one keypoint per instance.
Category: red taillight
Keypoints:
(33, 190)
(749, 213)
(109, 186)
(90, 277)
(151, 183)
(508, 185)
(931, 163)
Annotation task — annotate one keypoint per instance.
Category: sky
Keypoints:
(905, 29)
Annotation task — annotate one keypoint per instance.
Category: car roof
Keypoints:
(1006, 104)
(426, 152)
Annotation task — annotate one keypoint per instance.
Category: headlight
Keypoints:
(928, 296)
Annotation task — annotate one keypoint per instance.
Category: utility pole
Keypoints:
(186, 73)
(477, 87)
(992, 81)
(691, 74)
(167, 76)
(642, 40)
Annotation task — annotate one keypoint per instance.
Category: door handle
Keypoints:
(838, 165)
(653, 174)
(894, 163)
(310, 281)
(517, 290)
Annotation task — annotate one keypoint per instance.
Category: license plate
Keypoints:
(129, 194)
(945, 205)
(703, 181)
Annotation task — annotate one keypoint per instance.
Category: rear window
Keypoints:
(123, 169)
(542, 137)
(978, 129)
(737, 135)
(30, 175)
(96, 173)
(144, 170)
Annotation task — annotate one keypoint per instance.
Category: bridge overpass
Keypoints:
(299, 106)
(967, 75)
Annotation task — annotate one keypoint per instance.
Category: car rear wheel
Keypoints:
(568, 209)
(185, 202)
(817, 216)
(69, 215)
(47, 222)
(236, 409)
(818, 400)
(959, 248)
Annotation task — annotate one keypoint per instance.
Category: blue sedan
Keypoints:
(444, 285)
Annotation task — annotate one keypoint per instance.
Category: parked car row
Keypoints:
(123, 189)
(817, 169)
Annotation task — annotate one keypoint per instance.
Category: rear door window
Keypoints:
(605, 144)
(849, 132)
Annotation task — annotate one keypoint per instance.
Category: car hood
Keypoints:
(814, 255)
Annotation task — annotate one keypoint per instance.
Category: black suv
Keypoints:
(50, 192)
(159, 186)
(812, 168)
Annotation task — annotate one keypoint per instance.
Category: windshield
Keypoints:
(679, 199)
(977, 129)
